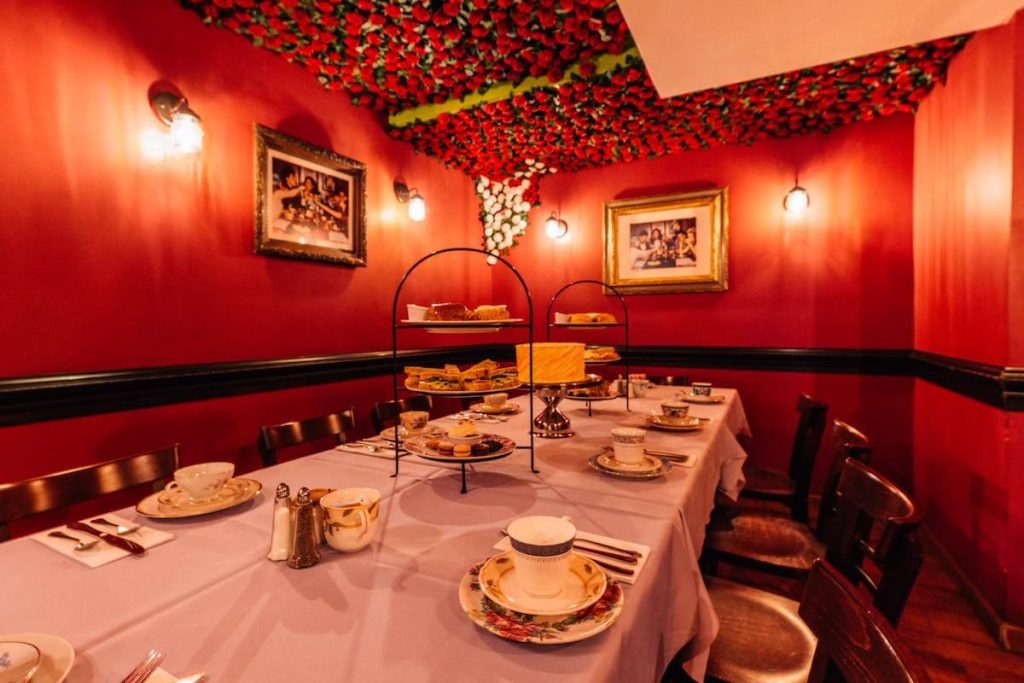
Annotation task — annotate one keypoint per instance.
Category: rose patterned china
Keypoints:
(176, 503)
(542, 630)
(583, 586)
(690, 424)
(636, 475)
(693, 398)
(647, 463)
(56, 656)
(18, 661)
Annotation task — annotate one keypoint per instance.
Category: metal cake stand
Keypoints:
(552, 423)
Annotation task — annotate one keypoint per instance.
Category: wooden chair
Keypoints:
(781, 546)
(669, 380)
(792, 489)
(854, 644)
(385, 413)
(30, 497)
(761, 638)
(272, 439)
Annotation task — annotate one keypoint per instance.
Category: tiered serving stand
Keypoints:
(456, 327)
(590, 326)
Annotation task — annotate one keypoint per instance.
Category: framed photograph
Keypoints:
(672, 243)
(310, 201)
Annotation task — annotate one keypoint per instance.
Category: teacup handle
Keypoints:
(364, 522)
(171, 486)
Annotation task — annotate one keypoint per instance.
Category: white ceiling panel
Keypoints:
(691, 45)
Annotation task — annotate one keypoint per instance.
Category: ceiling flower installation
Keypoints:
(402, 54)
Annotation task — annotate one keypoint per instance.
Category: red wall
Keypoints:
(109, 260)
(968, 181)
(839, 276)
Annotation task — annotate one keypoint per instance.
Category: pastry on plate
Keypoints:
(438, 380)
(592, 318)
(492, 312)
(477, 384)
(503, 378)
(601, 353)
(447, 311)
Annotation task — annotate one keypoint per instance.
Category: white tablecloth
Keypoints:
(212, 602)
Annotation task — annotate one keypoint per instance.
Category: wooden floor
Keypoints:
(939, 623)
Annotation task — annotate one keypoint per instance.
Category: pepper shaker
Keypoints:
(305, 545)
(281, 531)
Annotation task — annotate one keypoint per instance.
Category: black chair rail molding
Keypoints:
(24, 400)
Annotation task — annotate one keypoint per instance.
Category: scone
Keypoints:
(447, 311)
(492, 312)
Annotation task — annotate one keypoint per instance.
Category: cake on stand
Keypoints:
(551, 369)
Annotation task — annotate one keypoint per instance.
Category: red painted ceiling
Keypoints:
(396, 55)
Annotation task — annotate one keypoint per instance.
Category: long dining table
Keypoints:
(212, 601)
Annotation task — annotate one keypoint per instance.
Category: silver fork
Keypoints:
(81, 545)
(145, 668)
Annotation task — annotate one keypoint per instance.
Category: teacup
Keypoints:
(541, 547)
(416, 313)
(628, 443)
(496, 400)
(350, 518)
(414, 420)
(675, 411)
(701, 388)
(203, 481)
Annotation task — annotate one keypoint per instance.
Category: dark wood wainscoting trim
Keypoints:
(51, 397)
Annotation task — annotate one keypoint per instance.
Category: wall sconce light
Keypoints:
(185, 134)
(797, 200)
(555, 227)
(417, 204)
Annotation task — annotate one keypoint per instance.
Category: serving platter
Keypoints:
(461, 326)
(541, 630)
(508, 408)
(588, 399)
(417, 446)
(585, 584)
(466, 392)
(175, 503)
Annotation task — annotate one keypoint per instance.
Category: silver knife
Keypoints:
(116, 541)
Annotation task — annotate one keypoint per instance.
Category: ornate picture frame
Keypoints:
(310, 201)
(669, 243)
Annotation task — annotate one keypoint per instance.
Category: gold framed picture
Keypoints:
(670, 243)
(310, 201)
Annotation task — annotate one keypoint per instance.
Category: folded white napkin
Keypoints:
(644, 550)
(102, 553)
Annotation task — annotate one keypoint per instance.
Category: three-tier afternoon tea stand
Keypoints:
(595, 326)
(456, 327)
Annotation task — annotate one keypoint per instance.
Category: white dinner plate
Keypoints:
(58, 656)
(461, 326)
(646, 465)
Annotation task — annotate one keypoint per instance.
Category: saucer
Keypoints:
(57, 655)
(583, 587)
(695, 398)
(541, 630)
(636, 475)
(608, 461)
(507, 408)
(176, 503)
(689, 424)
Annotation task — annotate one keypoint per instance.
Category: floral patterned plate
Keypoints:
(527, 628)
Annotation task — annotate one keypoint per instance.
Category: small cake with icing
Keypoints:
(553, 362)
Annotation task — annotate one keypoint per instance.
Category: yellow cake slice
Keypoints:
(553, 362)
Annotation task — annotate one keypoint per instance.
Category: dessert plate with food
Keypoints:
(594, 321)
(457, 318)
(485, 377)
(597, 355)
(599, 392)
(448, 449)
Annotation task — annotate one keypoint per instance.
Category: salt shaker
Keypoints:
(281, 531)
(305, 545)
